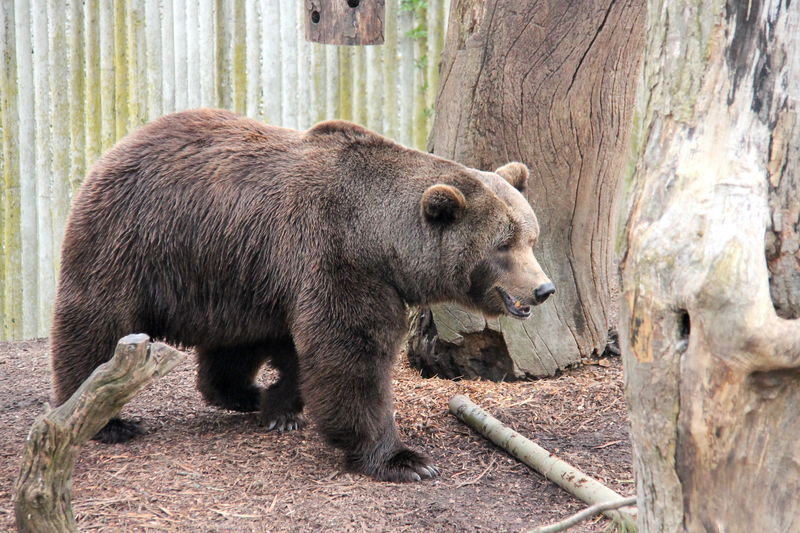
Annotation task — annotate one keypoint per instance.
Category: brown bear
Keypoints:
(255, 243)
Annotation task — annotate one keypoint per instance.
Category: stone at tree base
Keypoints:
(449, 342)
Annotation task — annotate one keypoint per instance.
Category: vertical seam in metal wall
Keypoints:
(167, 73)
(59, 114)
(187, 79)
(11, 270)
(41, 239)
(76, 71)
(303, 73)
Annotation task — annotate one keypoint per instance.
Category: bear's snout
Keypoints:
(543, 291)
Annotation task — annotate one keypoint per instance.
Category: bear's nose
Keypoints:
(543, 291)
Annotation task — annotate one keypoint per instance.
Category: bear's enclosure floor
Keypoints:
(202, 469)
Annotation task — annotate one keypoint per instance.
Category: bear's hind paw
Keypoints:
(118, 430)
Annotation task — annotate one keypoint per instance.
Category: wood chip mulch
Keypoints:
(202, 469)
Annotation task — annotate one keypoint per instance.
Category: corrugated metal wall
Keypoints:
(79, 74)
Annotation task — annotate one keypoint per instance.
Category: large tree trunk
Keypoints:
(550, 84)
(712, 373)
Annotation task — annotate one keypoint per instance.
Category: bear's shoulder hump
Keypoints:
(341, 128)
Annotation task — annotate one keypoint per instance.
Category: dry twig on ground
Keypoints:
(585, 514)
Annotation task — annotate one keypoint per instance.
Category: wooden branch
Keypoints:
(774, 346)
(556, 470)
(347, 22)
(43, 490)
(584, 515)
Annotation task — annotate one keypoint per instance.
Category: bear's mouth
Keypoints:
(514, 307)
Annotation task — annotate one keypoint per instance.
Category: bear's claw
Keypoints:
(284, 422)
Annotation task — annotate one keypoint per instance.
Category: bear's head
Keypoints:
(487, 231)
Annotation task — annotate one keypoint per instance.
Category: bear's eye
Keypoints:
(506, 246)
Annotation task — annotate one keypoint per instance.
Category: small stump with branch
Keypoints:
(345, 22)
(43, 491)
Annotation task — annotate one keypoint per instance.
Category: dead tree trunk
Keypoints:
(550, 84)
(43, 491)
(712, 372)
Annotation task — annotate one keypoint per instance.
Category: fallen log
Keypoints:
(556, 470)
(43, 491)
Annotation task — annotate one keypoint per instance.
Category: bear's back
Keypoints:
(202, 147)
(180, 221)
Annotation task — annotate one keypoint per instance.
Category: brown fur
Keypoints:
(254, 243)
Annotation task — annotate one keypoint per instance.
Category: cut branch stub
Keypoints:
(43, 491)
(345, 22)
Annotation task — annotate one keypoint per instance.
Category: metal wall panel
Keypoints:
(77, 75)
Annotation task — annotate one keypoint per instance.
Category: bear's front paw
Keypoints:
(283, 421)
(118, 430)
(401, 466)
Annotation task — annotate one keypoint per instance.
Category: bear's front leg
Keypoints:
(346, 384)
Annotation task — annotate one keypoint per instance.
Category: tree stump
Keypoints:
(550, 84)
(345, 22)
(712, 371)
(43, 501)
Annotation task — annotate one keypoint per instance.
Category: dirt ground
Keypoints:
(202, 469)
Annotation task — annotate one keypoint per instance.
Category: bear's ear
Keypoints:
(442, 203)
(516, 174)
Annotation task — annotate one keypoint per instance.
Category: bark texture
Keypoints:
(783, 232)
(712, 372)
(550, 84)
(43, 491)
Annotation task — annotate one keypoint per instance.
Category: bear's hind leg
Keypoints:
(80, 341)
(282, 404)
(119, 430)
(226, 376)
